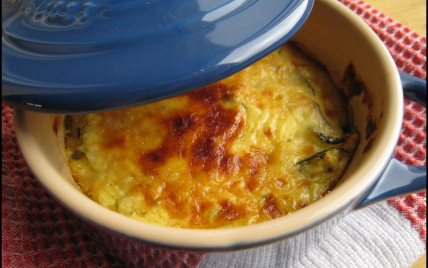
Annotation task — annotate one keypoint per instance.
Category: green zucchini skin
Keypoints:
(330, 140)
(320, 154)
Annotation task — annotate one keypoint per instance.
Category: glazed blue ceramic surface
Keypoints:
(398, 178)
(80, 56)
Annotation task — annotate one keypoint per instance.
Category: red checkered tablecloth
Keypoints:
(36, 232)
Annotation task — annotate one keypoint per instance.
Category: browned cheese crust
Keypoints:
(256, 146)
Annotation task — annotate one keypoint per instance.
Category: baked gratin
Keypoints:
(255, 146)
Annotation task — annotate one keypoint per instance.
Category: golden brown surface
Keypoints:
(411, 13)
(256, 146)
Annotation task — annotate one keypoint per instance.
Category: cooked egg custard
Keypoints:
(256, 146)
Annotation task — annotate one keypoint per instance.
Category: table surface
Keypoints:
(411, 13)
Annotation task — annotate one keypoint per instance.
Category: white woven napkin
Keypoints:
(376, 236)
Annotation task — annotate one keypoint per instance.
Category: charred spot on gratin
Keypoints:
(256, 146)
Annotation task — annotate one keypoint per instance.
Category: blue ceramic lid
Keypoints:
(86, 56)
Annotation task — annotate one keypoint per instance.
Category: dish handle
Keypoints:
(400, 179)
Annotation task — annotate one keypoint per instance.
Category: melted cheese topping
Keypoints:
(258, 145)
